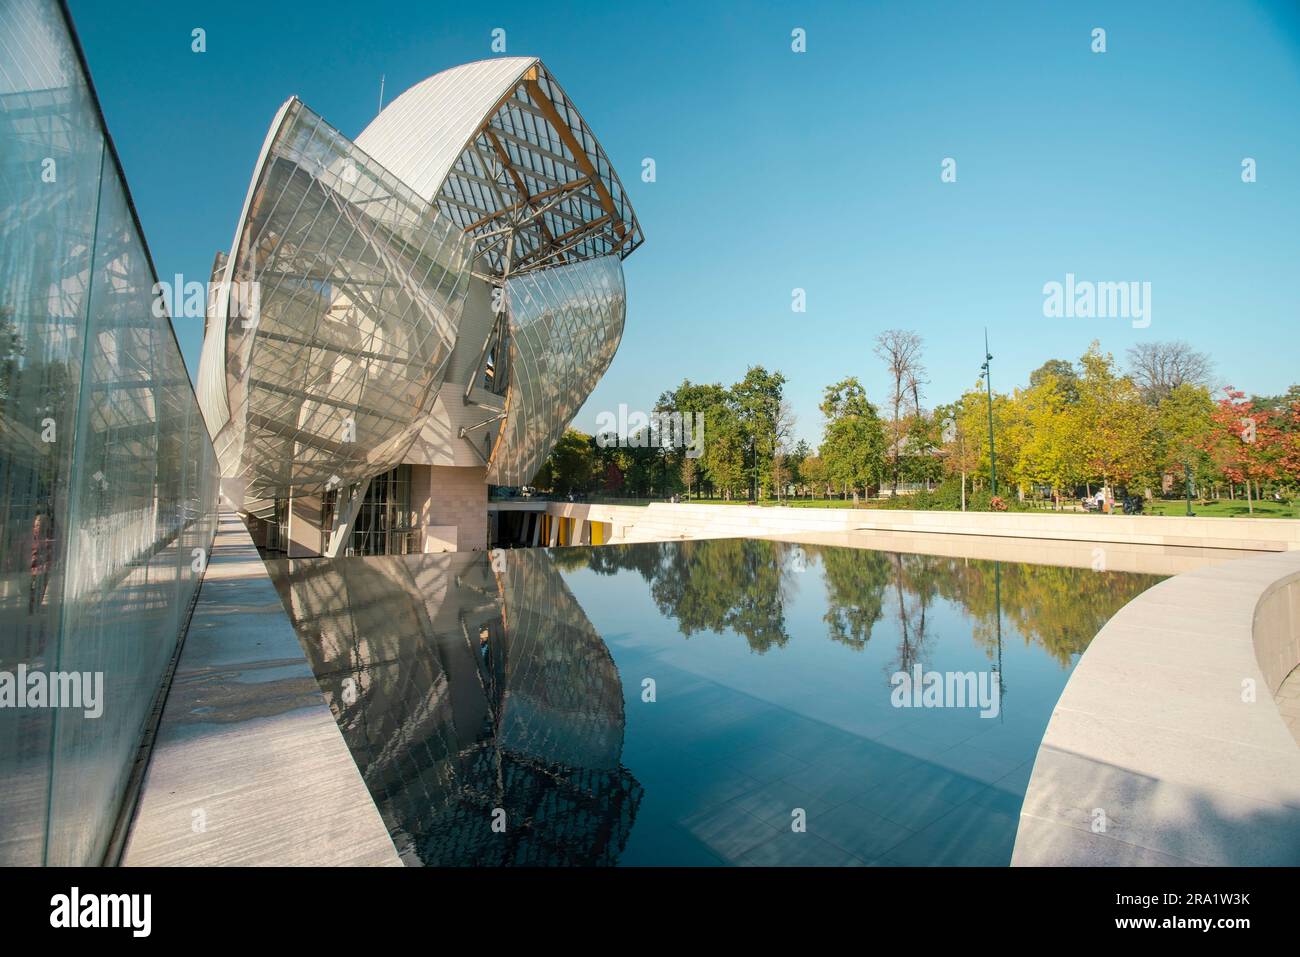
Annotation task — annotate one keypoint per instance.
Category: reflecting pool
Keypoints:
(696, 703)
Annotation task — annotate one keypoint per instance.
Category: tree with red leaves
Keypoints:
(1247, 442)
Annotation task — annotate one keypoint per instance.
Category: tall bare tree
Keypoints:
(900, 350)
(783, 423)
(1157, 368)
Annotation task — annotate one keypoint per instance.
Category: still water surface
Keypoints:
(693, 703)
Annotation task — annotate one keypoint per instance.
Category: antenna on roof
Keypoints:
(381, 93)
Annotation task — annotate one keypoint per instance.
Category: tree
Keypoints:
(922, 443)
(853, 443)
(960, 456)
(1157, 368)
(1063, 374)
(710, 404)
(967, 434)
(1246, 443)
(1289, 436)
(900, 350)
(572, 465)
(1116, 429)
(757, 401)
(724, 455)
(782, 430)
(814, 475)
(1049, 437)
(689, 472)
(794, 461)
(1184, 421)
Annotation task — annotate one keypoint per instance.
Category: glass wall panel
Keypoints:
(108, 481)
(565, 326)
(385, 523)
(359, 286)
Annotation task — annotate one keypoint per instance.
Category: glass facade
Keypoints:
(385, 524)
(108, 481)
(327, 370)
(565, 324)
(555, 168)
(367, 278)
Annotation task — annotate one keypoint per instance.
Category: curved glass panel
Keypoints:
(486, 140)
(565, 326)
(343, 299)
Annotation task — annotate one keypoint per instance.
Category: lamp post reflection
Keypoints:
(997, 604)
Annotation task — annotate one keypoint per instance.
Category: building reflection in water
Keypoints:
(462, 690)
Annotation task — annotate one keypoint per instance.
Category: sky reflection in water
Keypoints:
(469, 696)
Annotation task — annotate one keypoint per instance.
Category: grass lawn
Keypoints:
(1225, 508)
(790, 503)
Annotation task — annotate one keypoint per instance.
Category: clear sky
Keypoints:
(818, 170)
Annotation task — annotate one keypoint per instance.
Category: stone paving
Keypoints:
(1161, 750)
(249, 766)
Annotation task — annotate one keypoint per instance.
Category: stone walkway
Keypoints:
(249, 766)
(1154, 755)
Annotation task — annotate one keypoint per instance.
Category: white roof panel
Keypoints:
(421, 134)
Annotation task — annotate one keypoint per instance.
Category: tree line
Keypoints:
(744, 586)
(1074, 427)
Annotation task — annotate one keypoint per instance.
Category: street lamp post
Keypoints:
(987, 376)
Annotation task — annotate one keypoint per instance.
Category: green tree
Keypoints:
(1184, 421)
(922, 442)
(794, 462)
(689, 472)
(711, 404)
(1117, 429)
(1047, 453)
(724, 454)
(1066, 381)
(812, 472)
(853, 444)
(572, 465)
(757, 402)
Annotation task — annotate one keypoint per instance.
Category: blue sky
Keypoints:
(818, 170)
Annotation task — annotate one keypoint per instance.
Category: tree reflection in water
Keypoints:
(461, 691)
(743, 585)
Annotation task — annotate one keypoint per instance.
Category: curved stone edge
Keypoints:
(1152, 757)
